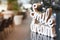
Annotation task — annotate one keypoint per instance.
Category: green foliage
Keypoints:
(0, 1)
(14, 4)
(10, 1)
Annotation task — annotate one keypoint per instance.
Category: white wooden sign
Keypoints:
(43, 23)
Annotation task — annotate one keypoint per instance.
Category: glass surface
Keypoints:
(35, 36)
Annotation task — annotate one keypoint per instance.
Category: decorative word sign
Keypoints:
(35, 36)
(43, 22)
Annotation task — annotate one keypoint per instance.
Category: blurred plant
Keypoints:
(0, 1)
(13, 5)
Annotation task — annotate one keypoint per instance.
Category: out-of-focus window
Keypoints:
(4, 1)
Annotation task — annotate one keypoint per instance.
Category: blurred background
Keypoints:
(14, 12)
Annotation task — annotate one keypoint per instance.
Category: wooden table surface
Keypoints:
(22, 32)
